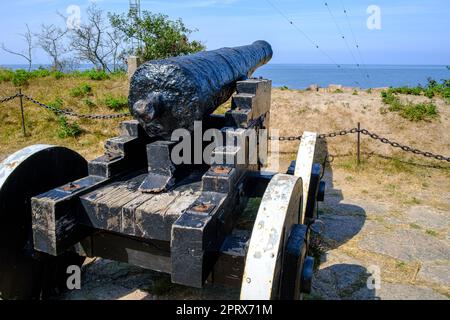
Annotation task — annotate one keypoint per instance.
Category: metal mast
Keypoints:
(135, 12)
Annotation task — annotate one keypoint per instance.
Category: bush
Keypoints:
(116, 104)
(284, 88)
(410, 111)
(6, 75)
(39, 73)
(82, 90)
(338, 91)
(67, 129)
(418, 112)
(58, 75)
(89, 103)
(92, 74)
(56, 104)
(20, 78)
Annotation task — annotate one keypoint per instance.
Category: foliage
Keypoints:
(82, 90)
(116, 103)
(420, 111)
(58, 75)
(160, 37)
(431, 90)
(6, 75)
(20, 78)
(68, 129)
(93, 74)
(283, 88)
(409, 110)
(338, 91)
(88, 102)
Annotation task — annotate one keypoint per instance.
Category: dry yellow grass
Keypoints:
(42, 125)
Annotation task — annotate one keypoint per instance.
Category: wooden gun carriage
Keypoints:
(135, 204)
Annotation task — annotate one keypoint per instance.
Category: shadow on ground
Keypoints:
(338, 223)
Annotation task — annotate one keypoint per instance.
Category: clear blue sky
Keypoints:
(412, 31)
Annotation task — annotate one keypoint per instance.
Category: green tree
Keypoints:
(159, 37)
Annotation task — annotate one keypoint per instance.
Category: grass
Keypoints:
(82, 90)
(83, 135)
(410, 111)
(116, 103)
(413, 112)
(432, 233)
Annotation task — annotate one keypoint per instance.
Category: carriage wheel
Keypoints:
(24, 272)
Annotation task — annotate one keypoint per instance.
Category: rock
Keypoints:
(406, 245)
(339, 276)
(390, 291)
(341, 228)
(428, 217)
(436, 271)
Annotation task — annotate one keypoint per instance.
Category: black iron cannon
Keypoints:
(57, 208)
(173, 93)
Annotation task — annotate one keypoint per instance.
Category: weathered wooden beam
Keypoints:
(148, 254)
(55, 216)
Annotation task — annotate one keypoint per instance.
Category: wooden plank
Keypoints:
(153, 255)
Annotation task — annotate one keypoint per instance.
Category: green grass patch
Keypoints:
(116, 103)
(82, 90)
(431, 233)
(415, 226)
(412, 112)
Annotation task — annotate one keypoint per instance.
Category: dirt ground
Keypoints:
(387, 219)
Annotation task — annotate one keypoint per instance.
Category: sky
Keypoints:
(409, 31)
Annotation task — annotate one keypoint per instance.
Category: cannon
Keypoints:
(169, 94)
(227, 222)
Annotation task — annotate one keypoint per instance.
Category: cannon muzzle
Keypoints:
(173, 93)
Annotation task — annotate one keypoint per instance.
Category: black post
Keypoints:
(359, 144)
(21, 110)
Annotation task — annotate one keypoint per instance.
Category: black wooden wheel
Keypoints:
(24, 272)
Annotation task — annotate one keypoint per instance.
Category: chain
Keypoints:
(373, 136)
(9, 98)
(74, 114)
(404, 147)
(337, 133)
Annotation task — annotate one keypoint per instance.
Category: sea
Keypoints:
(301, 76)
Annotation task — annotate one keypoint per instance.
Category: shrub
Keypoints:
(67, 129)
(338, 91)
(57, 75)
(20, 78)
(89, 102)
(116, 104)
(284, 88)
(410, 111)
(418, 112)
(369, 91)
(6, 75)
(39, 73)
(56, 104)
(355, 92)
(82, 90)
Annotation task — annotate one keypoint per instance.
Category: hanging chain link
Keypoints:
(3, 100)
(255, 122)
(77, 115)
(373, 136)
(404, 147)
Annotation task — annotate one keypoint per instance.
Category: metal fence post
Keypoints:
(359, 144)
(23, 116)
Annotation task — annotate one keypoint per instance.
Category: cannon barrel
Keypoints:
(173, 93)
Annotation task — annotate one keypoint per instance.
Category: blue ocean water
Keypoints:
(300, 76)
